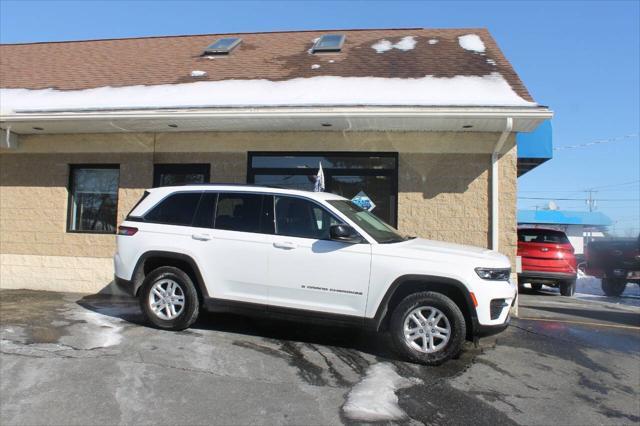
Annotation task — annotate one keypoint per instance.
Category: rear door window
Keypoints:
(244, 213)
(543, 236)
(176, 209)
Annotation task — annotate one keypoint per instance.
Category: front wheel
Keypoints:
(169, 299)
(613, 287)
(568, 288)
(428, 328)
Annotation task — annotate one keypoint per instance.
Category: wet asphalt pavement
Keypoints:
(73, 359)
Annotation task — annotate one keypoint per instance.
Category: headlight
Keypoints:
(494, 274)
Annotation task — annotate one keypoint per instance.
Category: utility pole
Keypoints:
(590, 201)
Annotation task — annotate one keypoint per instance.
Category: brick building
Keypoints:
(424, 122)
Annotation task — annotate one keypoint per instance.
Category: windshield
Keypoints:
(375, 227)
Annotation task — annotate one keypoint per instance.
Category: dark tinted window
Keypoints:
(542, 236)
(177, 209)
(93, 198)
(205, 211)
(296, 217)
(180, 174)
(240, 212)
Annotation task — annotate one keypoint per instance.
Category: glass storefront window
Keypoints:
(346, 174)
(93, 201)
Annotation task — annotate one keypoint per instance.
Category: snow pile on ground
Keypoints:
(374, 398)
(433, 41)
(588, 285)
(471, 42)
(486, 90)
(315, 66)
(406, 43)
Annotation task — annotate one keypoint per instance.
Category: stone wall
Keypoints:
(443, 183)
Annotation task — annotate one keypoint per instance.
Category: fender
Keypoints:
(138, 271)
(381, 312)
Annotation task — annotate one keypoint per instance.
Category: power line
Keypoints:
(613, 185)
(578, 199)
(597, 142)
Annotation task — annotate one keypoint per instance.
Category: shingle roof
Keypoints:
(273, 56)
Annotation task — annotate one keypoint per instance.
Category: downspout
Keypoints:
(495, 184)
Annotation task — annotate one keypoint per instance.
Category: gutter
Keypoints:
(539, 112)
(495, 184)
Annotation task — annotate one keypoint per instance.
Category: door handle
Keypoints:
(201, 237)
(287, 245)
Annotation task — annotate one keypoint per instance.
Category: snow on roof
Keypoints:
(471, 42)
(407, 43)
(487, 90)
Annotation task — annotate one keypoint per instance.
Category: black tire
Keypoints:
(613, 287)
(191, 308)
(536, 286)
(568, 288)
(452, 313)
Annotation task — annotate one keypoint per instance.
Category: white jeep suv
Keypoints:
(310, 256)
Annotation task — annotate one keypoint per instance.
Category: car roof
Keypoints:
(166, 190)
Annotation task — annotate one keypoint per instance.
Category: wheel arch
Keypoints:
(154, 259)
(409, 284)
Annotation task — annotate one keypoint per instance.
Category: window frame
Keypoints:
(70, 188)
(180, 168)
(391, 173)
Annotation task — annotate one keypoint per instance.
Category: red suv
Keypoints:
(547, 258)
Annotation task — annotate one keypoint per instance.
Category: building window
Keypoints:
(347, 174)
(180, 174)
(93, 198)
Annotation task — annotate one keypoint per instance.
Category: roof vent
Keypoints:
(222, 46)
(329, 43)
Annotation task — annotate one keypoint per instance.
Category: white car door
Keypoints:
(309, 271)
(234, 254)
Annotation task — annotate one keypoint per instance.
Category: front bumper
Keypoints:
(543, 275)
(490, 330)
(496, 293)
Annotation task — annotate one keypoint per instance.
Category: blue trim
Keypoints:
(536, 144)
(562, 217)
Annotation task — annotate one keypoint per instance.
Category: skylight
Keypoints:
(329, 43)
(222, 46)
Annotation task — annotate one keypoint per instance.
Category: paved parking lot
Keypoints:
(73, 359)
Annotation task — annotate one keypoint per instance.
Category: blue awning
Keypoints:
(562, 217)
(534, 148)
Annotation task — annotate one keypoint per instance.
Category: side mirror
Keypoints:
(345, 234)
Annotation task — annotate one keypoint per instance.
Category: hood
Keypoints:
(421, 248)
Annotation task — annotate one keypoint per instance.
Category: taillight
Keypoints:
(127, 230)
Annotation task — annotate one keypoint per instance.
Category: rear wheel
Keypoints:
(613, 287)
(428, 328)
(169, 299)
(568, 287)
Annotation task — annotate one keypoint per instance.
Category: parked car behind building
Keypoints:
(547, 258)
